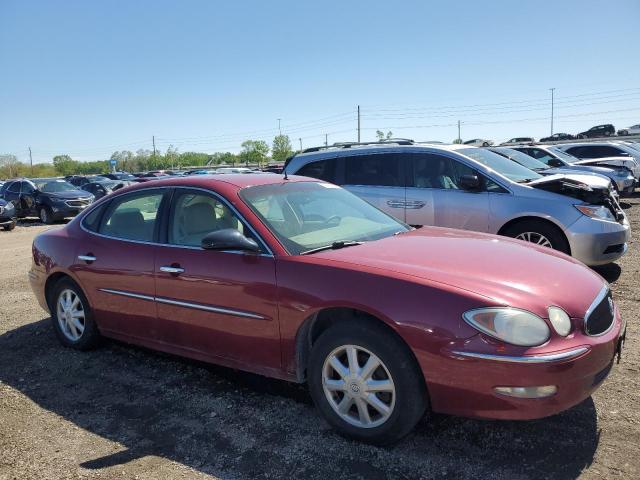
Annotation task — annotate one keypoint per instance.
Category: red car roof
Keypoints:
(239, 180)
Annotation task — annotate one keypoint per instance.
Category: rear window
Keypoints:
(321, 169)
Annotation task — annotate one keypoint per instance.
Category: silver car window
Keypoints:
(499, 164)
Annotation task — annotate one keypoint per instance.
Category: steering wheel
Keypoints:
(333, 219)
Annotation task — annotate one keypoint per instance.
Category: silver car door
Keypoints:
(378, 179)
(453, 205)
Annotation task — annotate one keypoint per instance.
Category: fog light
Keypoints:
(527, 392)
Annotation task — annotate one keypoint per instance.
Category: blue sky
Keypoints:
(87, 78)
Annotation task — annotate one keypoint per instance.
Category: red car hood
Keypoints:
(506, 271)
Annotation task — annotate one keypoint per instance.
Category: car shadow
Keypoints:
(610, 272)
(231, 424)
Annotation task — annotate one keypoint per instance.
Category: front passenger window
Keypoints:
(133, 217)
(195, 215)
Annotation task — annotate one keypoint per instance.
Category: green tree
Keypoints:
(9, 166)
(457, 141)
(381, 135)
(281, 149)
(65, 165)
(254, 152)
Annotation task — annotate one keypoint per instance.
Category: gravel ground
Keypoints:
(126, 412)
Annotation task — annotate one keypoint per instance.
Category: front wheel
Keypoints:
(539, 233)
(46, 216)
(366, 383)
(9, 227)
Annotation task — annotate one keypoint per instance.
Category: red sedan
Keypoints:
(301, 280)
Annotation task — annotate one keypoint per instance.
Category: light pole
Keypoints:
(279, 129)
(552, 90)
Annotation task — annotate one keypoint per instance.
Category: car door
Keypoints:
(379, 179)
(12, 194)
(451, 205)
(217, 303)
(114, 262)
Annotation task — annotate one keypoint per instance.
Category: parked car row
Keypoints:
(381, 320)
(598, 131)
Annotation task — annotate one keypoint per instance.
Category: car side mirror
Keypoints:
(229, 239)
(469, 182)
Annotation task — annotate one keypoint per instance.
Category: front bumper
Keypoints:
(6, 221)
(465, 385)
(597, 242)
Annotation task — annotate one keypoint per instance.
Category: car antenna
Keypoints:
(284, 170)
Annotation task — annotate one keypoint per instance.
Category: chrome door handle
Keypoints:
(414, 205)
(87, 258)
(172, 270)
(396, 203)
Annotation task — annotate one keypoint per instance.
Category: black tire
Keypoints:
(550, 232)
(9, 227)
(411, 398)
(485, 144)
(46, 215)
(90, 337)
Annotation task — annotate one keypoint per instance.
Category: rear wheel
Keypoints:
(539, 233)
(366, 383)
(72, 317)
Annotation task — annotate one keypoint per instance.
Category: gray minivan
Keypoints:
(472, 188)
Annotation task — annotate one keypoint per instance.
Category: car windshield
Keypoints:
(52, 186)
(309, 215)
(522, 158)
(505, 167)
(563, 155)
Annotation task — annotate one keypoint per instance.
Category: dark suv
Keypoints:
(598, 131)
(50, 199)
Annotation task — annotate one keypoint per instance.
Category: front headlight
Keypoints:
(510, 325)
(560, 321)
(596, 211)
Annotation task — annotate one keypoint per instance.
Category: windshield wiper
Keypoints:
(333, 246)
(525, 180)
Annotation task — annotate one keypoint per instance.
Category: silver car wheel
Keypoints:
(70, 313)
(535, 237)
(358, 386)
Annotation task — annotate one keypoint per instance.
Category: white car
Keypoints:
(605, 153)
(632, 130)
(479, 142)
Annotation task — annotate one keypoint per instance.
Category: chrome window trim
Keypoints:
(195, 306)
(141, 242)
(601, 295)
(542, 358)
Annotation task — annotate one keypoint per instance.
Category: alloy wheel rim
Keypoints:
(71, 315)
(358, 386)
(44, 216)
(535, 237)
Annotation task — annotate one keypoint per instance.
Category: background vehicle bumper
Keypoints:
(596, 242)
(6, 221)
(64, 212)
(466, 385)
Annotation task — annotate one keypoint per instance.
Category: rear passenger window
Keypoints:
(380, 170)
(322, 170)
(132, 217)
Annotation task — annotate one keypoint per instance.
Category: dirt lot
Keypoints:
(125, 412)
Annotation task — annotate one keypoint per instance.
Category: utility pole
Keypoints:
(300, 143)
(153, 139)
(459, 138)
(326, 139)
(31, 161)
(279, 129)
(358, 123)
(552, 90)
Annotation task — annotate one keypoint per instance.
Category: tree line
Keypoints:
(254, 153)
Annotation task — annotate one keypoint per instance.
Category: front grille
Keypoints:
(600, 319)
(81, 202)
